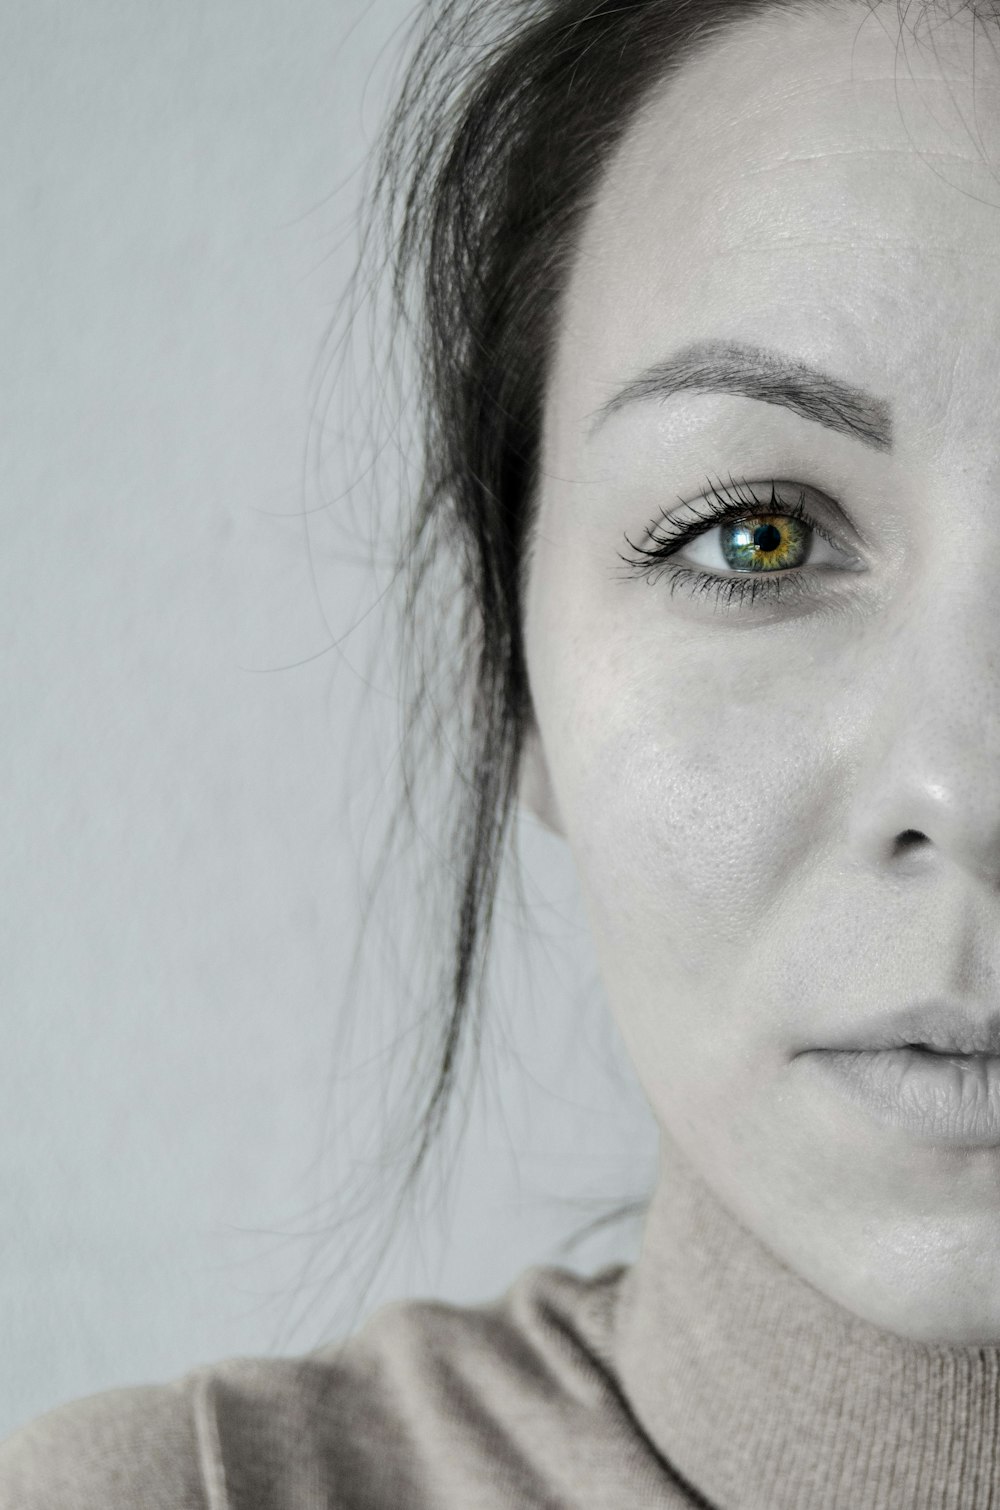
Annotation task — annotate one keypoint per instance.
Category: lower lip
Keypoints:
(943, 1098)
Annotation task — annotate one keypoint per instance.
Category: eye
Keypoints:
(743, 541)
(760, 542)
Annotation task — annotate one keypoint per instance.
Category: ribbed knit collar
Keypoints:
(767, 1395)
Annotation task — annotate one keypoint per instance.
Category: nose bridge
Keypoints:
(933, 743)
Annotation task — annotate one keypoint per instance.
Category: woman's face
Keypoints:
(776, 754)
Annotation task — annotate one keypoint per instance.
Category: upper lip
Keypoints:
(940, 1026)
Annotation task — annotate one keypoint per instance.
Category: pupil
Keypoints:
(767, 537)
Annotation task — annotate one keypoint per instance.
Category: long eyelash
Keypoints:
(668, 536)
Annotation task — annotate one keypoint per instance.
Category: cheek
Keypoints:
(691, 808)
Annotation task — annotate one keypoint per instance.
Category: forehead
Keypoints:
(816, 182)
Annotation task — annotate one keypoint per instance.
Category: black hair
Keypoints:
(506, 119)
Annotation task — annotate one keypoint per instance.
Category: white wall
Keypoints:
(181, 821)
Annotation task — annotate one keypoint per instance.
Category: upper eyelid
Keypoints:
(716, 503)
(713, 513)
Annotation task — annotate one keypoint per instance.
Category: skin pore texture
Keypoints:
(732, 777)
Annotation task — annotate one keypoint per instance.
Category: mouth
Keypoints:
(940, 1053)
(936, 1098)
(932, 1070)
(931, 1027)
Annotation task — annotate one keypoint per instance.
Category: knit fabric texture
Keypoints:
(705, 1374)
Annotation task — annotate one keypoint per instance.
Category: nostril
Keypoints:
(908, 839)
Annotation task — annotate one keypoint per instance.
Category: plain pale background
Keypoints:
(188, 768)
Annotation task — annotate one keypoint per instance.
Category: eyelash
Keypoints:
(668, 536)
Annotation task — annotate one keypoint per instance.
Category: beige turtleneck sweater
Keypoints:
(705, 1374)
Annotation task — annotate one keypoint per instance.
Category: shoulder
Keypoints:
(134, 1448)
(411, 1410)
(551, 1328)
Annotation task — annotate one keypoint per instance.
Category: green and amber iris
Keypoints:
(764, 542)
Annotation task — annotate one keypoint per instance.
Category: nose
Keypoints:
(928, 790)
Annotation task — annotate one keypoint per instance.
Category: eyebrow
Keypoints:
(718, 366)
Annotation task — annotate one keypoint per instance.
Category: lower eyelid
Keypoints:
(731, 592)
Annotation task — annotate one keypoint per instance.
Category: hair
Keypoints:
(488, 164)
(495, 148)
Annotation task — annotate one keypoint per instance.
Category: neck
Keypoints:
(768, 1395)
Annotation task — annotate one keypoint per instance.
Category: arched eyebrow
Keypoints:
(718, 366)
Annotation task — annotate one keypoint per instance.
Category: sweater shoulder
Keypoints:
(379, 1418)
(134, 1448)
